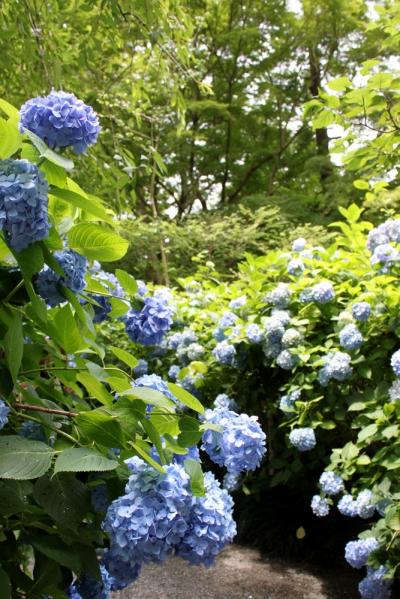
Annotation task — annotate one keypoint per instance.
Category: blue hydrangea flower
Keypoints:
(238, 302)
(322, 292)
(23, 203)
(225, 353)
(48, 281)
(142, 288)
(4, 411)
(280, 296)
(90, 588)
(375, 585)
(394, 390)
(291, 338)
(347, 506)
(274, 329)
(295, 266)
(299, 244)
(231, 482)
(303, 439)
(192, 454)
(99, 498)
(182, 339)
(361, 311)
(174, 371)
(395, 363)
(286, 403)
(228, 319)
(385, 255)
(254, 333)
(153, 381)
(378, 236)
(32, 430)
(61, 120)
(219, 334)
(149, 325)
(350, 337)
(357, 552)
(191, 382)
(123, 572)
(210, 527)
(103, 307)
(365, 507)
(240, 446)
(320, 506)
(195, 351)
(331, 483)
(141, 367)
(286, 360)
(224, 402)
(272, 349)
(336, 365)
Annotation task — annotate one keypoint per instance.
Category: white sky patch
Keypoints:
(294, 6)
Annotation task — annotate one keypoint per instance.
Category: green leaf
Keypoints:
(339, 84)
(127, 281)
(31, 260)
(14, 345)
(97, 242)
(95, 388)
(151, 397)
(46, 152)
(11, 498)
(193, 469)
(361, 184)
(51, 546)
(9, 109)
(124, 356)
(190, 431)
(101, 428)
(366, 432)
(91, 205)
(143, 454)
(82, 459)
(64, 498)
(10, 139)
(186, 398)
(65, 331)
(5, 585)
(23, 459)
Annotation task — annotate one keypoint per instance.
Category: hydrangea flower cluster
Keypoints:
(394, 390)
(61, 120)
(225, 353)
(287, 360)
(275, 326)
(141, 367)
(231, 482)
(375, 585)
(23, 203)
(320, 506)
(303, 438)
(362, 506)
(321, 293)
(291, 338)
(347, 506)
(299, 244)
(174, 371)
(357, 552)
(103, 307)
(4, 411)
(238, 302)
(48, 281)
(158, 515)
(331, 483)
(228, 319)
(149, 325)
(395, 363)
(286, 403)
(224, 402)
(123, 572)
(280, 296)
(295, 266)
(254, 333)
(240, 446)
(88, 587)
(350, 337)
(361, 311)
(182, 339)
(153, 381)
(379, 243)
(336, 365)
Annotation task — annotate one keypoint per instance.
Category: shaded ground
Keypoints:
(240, 573)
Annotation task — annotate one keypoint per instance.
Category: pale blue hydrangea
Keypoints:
(395, 363)
(254, 333)
(123, 571)
(283, 316)
(4, 411)
(274, 330)
(385, 256)
(347, 506)
(394, 390)
(142, 287)
(225, 353)
(182, 339)
(219, 334)
(322, 292)
(361, 311)
(48, 281)
(195, 351)
(174, 371)
(378, 236)
(224, 402)
(103, 306)
(320, 506)
(286, 403)
(272, 349)
(299, 244)
(365, 506)
(295, 266)
(141, 367)
(61, 120)
(280, 296)
(286, 360)
(240, 446)
(23, 203)
(291, 338)
(350, 337)
(191, 382)
(238, 302)
(375, 585)
(228, 319)
(336, 365)
(303, 439)
(210, 527)
(308, 254)
(357, 552)
(331, 483)
(231, 482)
(153, 381)
(149, 325)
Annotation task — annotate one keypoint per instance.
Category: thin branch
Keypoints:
(33, 408)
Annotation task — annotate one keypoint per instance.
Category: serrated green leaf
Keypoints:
(97, 242)
(91, 205)
(190, 431)
(186, 398)
(23, 459)
(101, 428)
(64, 498)
(124, 356)
(82, 459)
(95, 388)
(65, 332)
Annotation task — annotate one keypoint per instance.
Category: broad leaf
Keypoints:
(14, 346)
(64, 498)
(124, 356)
(186, 398)
(97, 242)
(91, 205)
(23, 459)
(82, 459)
(193, 469)
(101, 428)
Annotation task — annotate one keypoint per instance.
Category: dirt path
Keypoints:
(240, 573)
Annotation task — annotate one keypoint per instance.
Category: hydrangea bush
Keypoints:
(99, 466)
(308, 340)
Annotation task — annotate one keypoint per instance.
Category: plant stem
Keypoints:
(33, 408)
(52, 428)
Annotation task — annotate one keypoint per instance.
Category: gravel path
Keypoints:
(240, 573)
